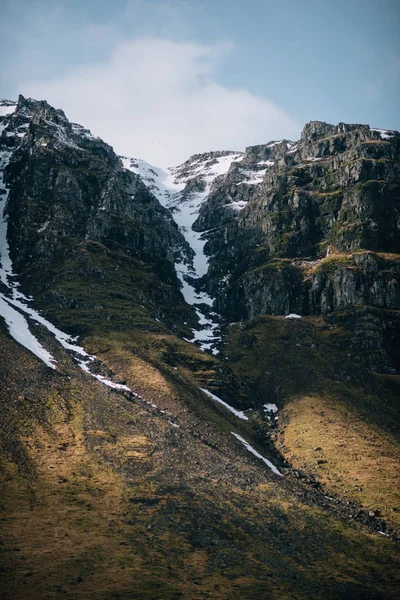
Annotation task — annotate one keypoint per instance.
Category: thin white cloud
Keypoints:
(159, 100)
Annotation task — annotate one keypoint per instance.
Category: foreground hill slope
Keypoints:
(144, 467)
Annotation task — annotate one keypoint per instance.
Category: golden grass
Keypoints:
(189, 520)
(362, 462)
(302, 366)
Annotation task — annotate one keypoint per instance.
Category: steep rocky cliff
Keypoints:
(334, 191)
(308, 227)
(84, 233)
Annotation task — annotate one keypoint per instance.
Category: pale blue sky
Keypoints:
(263, 68)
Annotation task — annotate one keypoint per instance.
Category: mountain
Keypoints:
(200, 366)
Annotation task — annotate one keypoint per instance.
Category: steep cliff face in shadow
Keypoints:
(85, 233)
(308, 227)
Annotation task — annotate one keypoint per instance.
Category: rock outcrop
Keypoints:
(311, 226)
(65, 184)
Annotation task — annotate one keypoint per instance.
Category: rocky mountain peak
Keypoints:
(317, 129)
(202, 168)
(262, 152)
(39, 106)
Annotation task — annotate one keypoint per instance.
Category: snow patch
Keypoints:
(237, 205)
(384, 133)
(168, 186)
(270, 408)
(7, 108)
(237, 413)
(252, 177)
(19, 329)
(80, 130)
(293, 316)
(268, 163)
(257, 454)
(44, 226)
(293, 149)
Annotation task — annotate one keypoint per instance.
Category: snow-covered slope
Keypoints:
(183, 190)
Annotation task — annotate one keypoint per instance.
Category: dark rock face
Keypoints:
(282, 286)
(374, 343)
(275, 289)
(287, 205)
(68, 186)
(362, 279)
(85, 233)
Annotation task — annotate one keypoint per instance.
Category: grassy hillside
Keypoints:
(102, 497)
(336, 421)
